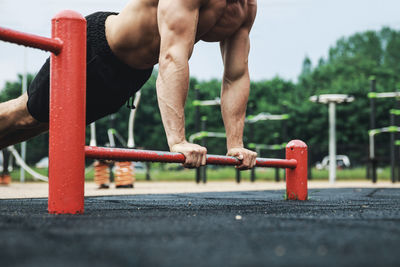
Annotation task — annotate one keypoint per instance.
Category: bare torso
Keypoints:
(134, 38)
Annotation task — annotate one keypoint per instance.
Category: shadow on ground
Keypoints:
(336, 227)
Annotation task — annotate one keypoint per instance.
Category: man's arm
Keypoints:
(235, 90)
(177, 24)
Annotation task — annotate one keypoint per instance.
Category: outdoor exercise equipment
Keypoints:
(131, 130)
(67, 150)
(372, 133)
(332, 100)
(20, 161)
(295, 162)
(258, 148)
(23, 165)
(101, 174)
(124, 173)
(200, 126)
(67, 107)
(202, 136)
(263, 116)
(54, 45)
(393, 144)
(201, 172)
(131, 124)
(373, 95)
(101, 169)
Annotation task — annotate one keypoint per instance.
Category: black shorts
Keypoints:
(109, 82)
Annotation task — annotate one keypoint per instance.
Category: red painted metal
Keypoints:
(120, 154)
(67, 115)
(67, 149)
(31, 40)
(296, 179)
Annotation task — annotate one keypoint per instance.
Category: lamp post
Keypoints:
(332, 100)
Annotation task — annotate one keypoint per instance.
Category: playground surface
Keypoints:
(352, 224)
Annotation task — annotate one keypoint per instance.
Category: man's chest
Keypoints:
(215, 25)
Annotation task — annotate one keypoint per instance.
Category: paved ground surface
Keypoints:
(336, 227)
(40, 189)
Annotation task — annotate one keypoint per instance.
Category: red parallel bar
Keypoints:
(120, 154)
(31, 40)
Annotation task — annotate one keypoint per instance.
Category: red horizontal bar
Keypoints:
(120, 154)
(31, 40)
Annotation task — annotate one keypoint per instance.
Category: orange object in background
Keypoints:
(5, 179)
(102, 174)
(124, 174)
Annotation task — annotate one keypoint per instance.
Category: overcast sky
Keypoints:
(284, 33)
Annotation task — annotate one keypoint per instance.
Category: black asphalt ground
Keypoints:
(336, 227)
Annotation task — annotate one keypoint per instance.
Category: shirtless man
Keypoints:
(122, 50)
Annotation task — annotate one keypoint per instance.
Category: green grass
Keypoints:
(220, 174)
(228, 174)
(350, 174)
(15, 174)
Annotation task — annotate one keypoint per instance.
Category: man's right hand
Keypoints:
(195, 155)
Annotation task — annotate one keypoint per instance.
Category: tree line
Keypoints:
(346, 70)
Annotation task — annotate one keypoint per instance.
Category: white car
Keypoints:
(43, 163)
(140, 167)
(342, 161)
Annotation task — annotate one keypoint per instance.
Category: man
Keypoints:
(122, 50)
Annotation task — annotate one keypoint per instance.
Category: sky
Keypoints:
(284, 33)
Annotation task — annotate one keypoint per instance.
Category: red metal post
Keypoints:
(67, 115)
(296, 179)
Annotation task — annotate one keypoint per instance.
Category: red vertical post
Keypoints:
(296, 179)
(67, 115)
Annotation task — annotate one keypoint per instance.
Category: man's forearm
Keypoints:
(234, 97)
(172, 87)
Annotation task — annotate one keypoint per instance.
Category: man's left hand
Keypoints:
(247, 157)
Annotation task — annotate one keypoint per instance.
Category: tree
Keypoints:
(347, 70)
